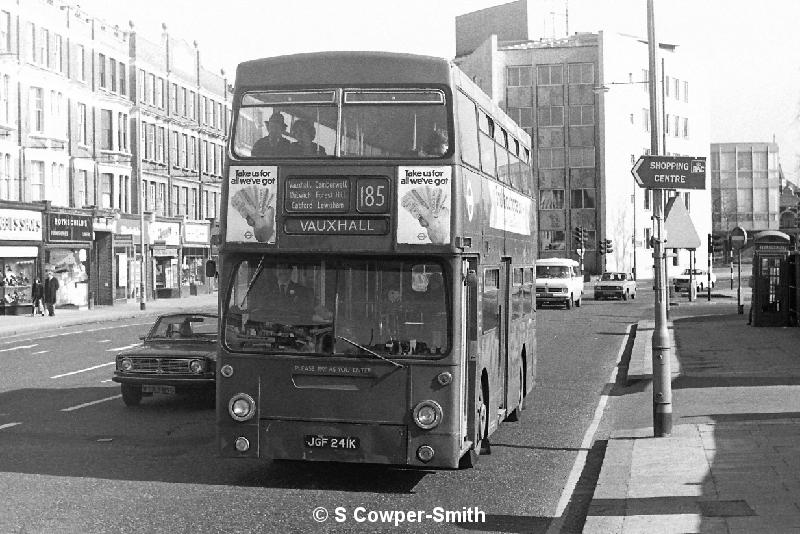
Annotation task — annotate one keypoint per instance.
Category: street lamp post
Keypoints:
(140, 184)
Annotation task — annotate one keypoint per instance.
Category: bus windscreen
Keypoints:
(353, 307)
(345, 123)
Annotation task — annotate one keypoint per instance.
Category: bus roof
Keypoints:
(343, 68)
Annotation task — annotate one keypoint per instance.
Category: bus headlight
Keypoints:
(196, 366)
(427, 414)
(242, 407)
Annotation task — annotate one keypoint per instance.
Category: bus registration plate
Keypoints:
(332, 442)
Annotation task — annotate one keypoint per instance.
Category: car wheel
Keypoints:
(633, 295)
(131, 395)
(625, 295)
(568, 304)
(579, 301)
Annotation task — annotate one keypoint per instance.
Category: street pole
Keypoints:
(140, 182)
(708, 282)
(662, 387)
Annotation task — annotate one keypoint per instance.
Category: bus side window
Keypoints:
(468, 131)
(527, 291)
(488, 161)
(491, 283)
(516, 294)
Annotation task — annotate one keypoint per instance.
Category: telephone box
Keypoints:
(770, 303)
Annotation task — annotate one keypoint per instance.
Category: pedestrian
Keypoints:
(37, 294)
(50, 292)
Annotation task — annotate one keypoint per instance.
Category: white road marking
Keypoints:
(40, 352)
(9, 425)
(20, 347)
(84, 370)
(85, 404)
(103, 340)
(588, 437)
(106, 381)
(117, 349)
(71, 333)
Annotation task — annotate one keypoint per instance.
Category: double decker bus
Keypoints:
(376, 263)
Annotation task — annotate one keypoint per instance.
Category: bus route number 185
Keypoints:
(372, 195)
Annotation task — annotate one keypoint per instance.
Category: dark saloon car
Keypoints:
(177, 356)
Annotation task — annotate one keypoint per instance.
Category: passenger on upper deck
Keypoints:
(304, 132)
(436, 144)
(274, 144)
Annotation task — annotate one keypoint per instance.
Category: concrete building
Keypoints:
(87, 113)
(584, 100)
(745, 187)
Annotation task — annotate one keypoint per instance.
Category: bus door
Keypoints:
(504, 326)
(467, 326)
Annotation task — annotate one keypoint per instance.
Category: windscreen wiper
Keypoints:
(370, 351)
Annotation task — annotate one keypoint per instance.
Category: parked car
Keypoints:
(615, 285)
(681, 281)
(177, 356)
(559, 281)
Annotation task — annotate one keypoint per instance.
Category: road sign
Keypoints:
(738, 237)
(670, 172)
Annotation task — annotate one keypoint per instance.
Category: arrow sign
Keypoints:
(670, 172)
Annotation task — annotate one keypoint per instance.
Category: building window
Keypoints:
(5, 109)
(123, 79)
(106, 190)
(553, 239)
(666, 85)
(82, 124)
(81, 58)
(161, 203)
(666, 124)
(551, 199)
(5, 31)
(550, 116)
(581, 115)
(551, 158)
(184, 201)
(191, 105)
(685, 132)
(150, 89)
(184, 151)
(184, 102)
(646, 119)
(43, 52)
(174, 201)
(581, 73)
(581, 156)
(173, 149)
(173, 99)
(37, 180)
(193, 204)
(101, 70)
(685, 91)
(676, 123)
(37, 109)
(549, 75)
(519, 76)
(677, 89)
(160, 136)
(583, 198)
(192, 153)
(9, 185)
(106, 131)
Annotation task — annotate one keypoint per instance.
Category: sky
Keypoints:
(748, 46)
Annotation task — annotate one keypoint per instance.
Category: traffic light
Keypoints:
(716, 244)
(602, 245)
(578, 236)
(609, 246)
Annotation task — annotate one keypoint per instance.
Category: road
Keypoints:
(75, 459)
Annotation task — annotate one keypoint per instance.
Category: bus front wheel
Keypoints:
(480, 444)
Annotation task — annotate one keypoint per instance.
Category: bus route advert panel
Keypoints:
(252, 194)
(424, 207)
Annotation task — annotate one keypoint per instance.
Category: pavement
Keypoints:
(731, 463)
(22, 324)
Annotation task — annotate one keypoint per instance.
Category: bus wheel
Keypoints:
(131, 395)
(516, 415)
(480, 443)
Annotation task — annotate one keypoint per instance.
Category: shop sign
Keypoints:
(168, 232)
(20, 225)
(165, 252)
(69, 227)
(132, 228)
(196, 233)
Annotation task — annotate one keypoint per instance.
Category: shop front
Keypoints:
(67, 251)
(196, 249)
(165, 244)
(127, 257)
(21, 233)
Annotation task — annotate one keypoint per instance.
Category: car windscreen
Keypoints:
(552, 271)
(185, 327)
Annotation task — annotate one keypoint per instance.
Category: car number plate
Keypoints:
(168, 390)
(332, 442)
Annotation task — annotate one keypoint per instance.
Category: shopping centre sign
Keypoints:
(670, 172)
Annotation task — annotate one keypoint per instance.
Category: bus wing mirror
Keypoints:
(211, 268)
(471, 280)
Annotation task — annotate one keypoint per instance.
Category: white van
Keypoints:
(559, 281)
